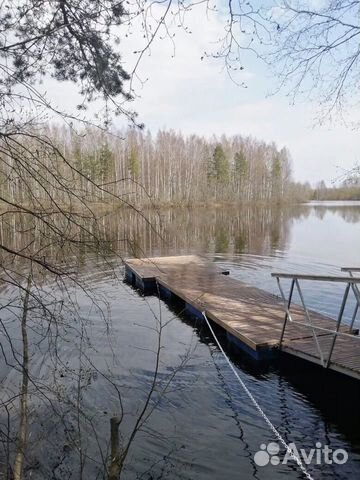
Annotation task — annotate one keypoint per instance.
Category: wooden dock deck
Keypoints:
(252, 318)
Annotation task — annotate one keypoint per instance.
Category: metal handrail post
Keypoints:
(310, 322)
(356, 291)
(287, 307)
(354, 317)
(338, 323)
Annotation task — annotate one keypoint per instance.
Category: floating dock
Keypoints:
(256, 321)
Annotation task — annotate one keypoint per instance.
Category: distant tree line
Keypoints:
(349, 189)
(166, 168)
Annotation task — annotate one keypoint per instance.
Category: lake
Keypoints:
(203, 424)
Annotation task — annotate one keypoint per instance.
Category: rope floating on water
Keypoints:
(259, 409)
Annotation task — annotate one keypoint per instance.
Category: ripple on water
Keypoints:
(204, 426)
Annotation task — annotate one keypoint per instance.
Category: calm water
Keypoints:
(204, 427)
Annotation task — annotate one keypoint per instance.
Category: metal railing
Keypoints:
(351, 283)
(350, 270)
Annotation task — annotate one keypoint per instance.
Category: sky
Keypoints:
(183, 90)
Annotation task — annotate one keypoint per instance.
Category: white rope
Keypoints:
(260, 410)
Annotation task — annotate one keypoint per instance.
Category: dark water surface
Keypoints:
(205, 426)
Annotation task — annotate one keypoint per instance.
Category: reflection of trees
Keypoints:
(349, 213)
(174, 231)
(48, 327)
(320, 213)
(259, 230)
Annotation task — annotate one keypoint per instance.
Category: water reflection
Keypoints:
(214, 427)
(260, 230)
(264, 231)
(348, 211)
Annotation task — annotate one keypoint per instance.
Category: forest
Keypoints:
(168, 168)
(349, 189)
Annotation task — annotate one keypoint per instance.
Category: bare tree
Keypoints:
(317, 51)
(50, 188)
(47, 200)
